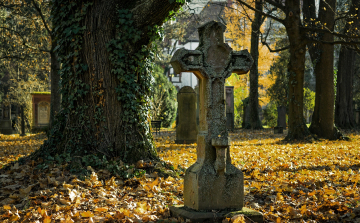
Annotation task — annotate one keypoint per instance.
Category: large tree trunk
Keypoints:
(55, 79)
(323, 117)
(296, 67)
(344, 115)
(255, 122)
(104, 84)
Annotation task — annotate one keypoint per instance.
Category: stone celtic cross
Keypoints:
(212, 183)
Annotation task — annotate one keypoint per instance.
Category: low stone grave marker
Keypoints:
(186, 128)
(213, 183)
(5, 120)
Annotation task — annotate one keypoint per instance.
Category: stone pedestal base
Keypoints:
(208, 216)
(205, 189)
(5, 127)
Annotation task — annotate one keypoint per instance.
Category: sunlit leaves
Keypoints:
(299, 182)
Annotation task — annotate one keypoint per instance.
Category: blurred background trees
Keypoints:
(25, 45)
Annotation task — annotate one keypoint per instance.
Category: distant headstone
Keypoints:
(186, 129)
(41, 109)
(229, 91)
(43, 113)
(281, 121)
(6, 114)
(5, 121)
(212, 183)
(246, 116)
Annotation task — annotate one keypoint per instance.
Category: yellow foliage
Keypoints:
(239, 33)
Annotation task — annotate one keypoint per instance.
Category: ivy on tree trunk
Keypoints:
(104, 48)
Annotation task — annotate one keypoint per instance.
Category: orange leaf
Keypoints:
(7, 207)
(47, 219)
(101, 209)
(87, 214)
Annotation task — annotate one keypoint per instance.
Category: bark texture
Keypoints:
(255, 122)
(323, 58)
(55, 91)
(344, 113)
(92, 115)
(344, 108)
(296, 67)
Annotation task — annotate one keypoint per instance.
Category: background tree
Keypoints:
(27, 38)
(300, 33)
(174, 32)
(241, 31)
(23, 62)
(255, 122)
(278, 91)
(344, 115)
(20, 95)
(322, 55)
(105, 49)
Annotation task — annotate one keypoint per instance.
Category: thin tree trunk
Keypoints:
(323, 117)
(296, 67)
(55, 92)
(255, 122)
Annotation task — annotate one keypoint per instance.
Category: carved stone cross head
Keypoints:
(212, 58)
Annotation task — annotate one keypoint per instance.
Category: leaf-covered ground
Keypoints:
(297, 182)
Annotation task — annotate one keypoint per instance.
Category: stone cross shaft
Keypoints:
(212, 183)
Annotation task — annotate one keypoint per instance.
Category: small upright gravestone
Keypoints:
(246, 113)
(229, 90)
(41, 108)
(281, 120)
(212, 183)
(186, 128)
(5, 121)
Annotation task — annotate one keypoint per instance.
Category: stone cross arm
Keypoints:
(193, 60)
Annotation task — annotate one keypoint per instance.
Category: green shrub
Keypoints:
(163, 104)
(270, 115)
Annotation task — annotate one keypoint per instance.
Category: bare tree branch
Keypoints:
(262, 13)
(309, 29)
(24, 40)
(42, 16)
(276, 50)
(263, 41)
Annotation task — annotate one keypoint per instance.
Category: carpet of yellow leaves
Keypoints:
(297, 182)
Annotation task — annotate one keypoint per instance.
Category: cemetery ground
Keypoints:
(288, 182)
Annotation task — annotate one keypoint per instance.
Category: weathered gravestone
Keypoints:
(5, 121)
(212, 183)
(186, 128)
(246, 113)
(41, 109)
(281, 121)
(229, 90)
